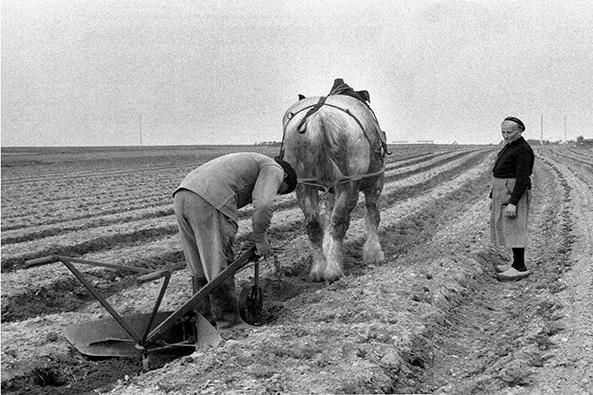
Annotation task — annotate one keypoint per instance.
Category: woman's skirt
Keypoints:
(508, 231)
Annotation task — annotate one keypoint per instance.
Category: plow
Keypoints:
(155, 335)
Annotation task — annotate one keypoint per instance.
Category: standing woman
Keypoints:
(511, 196)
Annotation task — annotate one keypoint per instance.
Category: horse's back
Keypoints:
(346, 106)
(339, 138)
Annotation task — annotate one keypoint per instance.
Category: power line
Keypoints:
(140, 127)
(541, 138)
(565, 129)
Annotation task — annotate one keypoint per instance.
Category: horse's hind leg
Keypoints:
(309, 202)
(335, 229)
(371, 250)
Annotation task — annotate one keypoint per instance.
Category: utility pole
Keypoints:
(140, 127)
(565, 129)
(541, 138)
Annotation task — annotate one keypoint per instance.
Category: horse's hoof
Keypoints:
(374, 261)
(373, 256)
(331, 277)
(316, 277)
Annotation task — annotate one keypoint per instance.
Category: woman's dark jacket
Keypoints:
(515, 160)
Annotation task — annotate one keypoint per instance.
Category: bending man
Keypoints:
(206, 207)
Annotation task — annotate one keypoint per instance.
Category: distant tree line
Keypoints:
(544, 142)
(269, 143)
(583, 141)
(580, 140)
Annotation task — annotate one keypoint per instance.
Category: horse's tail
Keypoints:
(326, 146)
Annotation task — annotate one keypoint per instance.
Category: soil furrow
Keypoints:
(47, 179)
(25, 301)
(498, 332)
(131, 203)
(569, 368)
(19, 301)
(368, 318)
(105, 237)
(87, 198)
(367, 348)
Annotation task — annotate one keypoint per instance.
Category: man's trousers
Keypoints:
(206, 234)
(207, 240)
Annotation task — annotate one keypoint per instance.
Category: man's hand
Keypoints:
(510, 210)
(264, 249)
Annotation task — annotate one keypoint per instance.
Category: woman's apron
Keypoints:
(508, 231)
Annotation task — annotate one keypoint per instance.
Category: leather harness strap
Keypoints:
(301, 128)
(313, 181)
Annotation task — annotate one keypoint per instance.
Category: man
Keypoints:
(206, 207)
(511, 197)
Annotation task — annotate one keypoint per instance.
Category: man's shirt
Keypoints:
(515, 160)
(232, 181)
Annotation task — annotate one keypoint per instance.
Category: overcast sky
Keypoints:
(223, 72)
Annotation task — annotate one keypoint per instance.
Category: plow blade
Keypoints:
(147, 335)
(207, 334)
(106, 338)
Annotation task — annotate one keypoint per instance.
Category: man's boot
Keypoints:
(225, 308)
(203, 306)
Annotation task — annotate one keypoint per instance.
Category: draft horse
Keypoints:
(337, 149)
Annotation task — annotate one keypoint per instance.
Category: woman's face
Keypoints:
(510, 131)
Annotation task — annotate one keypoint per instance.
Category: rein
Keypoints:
(313, 181)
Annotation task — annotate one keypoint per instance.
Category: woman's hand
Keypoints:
(510, 210)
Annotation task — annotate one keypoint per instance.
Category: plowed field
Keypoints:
(431, 319)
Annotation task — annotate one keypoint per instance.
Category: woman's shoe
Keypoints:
(503, 268)
(512, 274)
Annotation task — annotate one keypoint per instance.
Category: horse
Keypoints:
(337, 150)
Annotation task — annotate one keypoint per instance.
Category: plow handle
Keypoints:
(249, 256)
(152, 276)
(42, 261)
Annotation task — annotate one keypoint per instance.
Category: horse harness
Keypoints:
(313, 181)
(301, 128)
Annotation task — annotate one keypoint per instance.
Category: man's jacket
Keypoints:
(232, 181)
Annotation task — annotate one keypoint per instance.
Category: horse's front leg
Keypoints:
(335, 229)
(308, 200)
(371, 251)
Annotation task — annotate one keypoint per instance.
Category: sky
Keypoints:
(102, 73)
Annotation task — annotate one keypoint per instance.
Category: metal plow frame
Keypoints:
(144, 334)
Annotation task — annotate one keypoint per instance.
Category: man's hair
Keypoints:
(291, 177)
(517, 121)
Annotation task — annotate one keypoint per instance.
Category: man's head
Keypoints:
(290, 178)
(511, 129)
